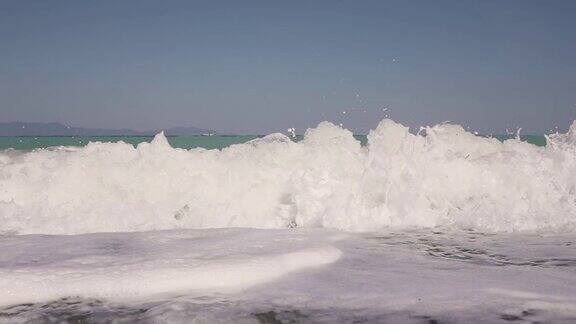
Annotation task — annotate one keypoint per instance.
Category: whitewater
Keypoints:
(434, 225)
(441, 176)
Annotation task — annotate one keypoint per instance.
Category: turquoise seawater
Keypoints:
(185, 142)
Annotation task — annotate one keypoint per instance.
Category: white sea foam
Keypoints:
(134, 265)
(291, 275)
(443, 176)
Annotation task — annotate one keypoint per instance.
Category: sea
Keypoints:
(439, 226)
(28, 143)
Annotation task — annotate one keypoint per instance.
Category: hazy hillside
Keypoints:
(57, 129)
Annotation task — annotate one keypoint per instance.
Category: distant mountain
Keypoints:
(183, 131)
(57, 129)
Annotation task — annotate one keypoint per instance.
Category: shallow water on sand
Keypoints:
(420, 276)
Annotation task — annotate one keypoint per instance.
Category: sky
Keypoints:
(257, 67)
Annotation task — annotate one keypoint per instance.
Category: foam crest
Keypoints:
(442, 176)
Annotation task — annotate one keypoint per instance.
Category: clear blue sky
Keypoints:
(263, 66)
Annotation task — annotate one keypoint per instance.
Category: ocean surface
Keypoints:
(441, 226)
(185, 142)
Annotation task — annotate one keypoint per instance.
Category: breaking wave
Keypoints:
(442, 176)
